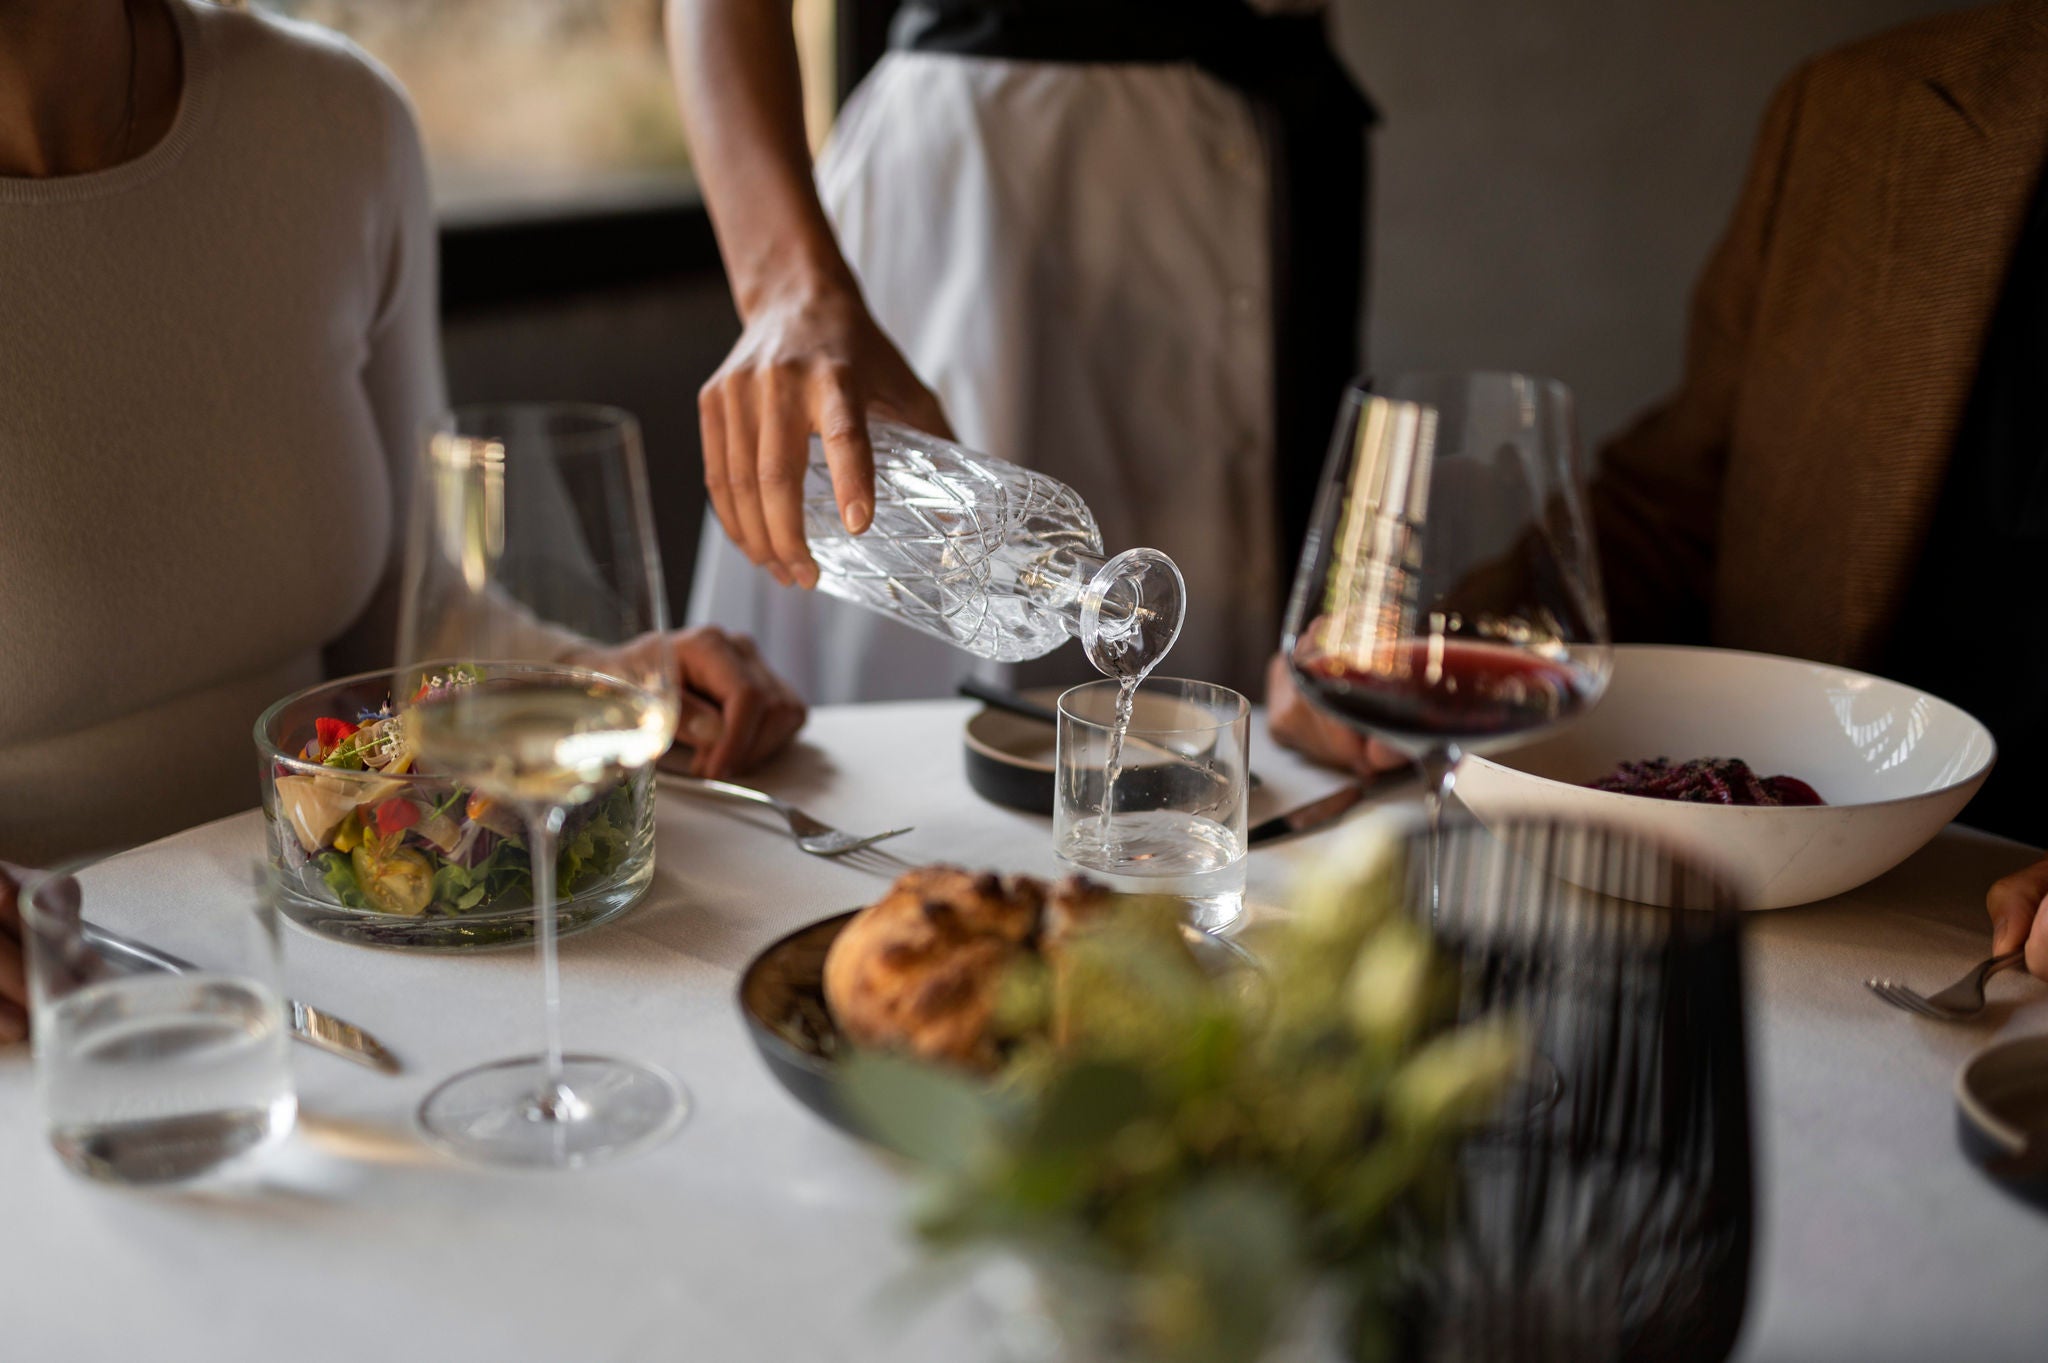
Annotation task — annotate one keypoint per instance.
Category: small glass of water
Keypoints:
(155, 1077)
(1151, 793)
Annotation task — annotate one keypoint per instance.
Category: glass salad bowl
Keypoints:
(373, 852)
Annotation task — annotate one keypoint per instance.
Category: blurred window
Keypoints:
(547, 105)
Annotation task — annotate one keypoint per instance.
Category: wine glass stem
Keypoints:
(1439, 768)
(554, 1102)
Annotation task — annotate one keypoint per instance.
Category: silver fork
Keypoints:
(1961, 1000)
(815, 836)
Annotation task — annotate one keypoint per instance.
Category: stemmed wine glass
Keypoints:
(534, 671)
(1448, 599)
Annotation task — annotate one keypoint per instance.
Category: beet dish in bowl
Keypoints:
(1891, 766)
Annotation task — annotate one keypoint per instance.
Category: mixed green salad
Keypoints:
(421, 847)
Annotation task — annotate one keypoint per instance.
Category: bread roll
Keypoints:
(921, 968)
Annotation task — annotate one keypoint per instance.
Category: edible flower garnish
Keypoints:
(331, 732)
(396, 815)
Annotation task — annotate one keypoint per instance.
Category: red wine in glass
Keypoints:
(1436, 692)
(1448, 597)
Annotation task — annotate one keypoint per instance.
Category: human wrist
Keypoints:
(800, 272)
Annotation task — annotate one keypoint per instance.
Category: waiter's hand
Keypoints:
(736, 712)
(810, 360)
(13, 976)
(2018, 917)
(1298, 725)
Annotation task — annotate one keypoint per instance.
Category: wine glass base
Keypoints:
(495, 1114)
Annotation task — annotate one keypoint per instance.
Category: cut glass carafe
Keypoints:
(995, 559)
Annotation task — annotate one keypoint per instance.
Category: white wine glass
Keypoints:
(534, 671)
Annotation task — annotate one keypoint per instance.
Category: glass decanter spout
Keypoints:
(1132, 609)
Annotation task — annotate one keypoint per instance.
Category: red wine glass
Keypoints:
(1448, 599)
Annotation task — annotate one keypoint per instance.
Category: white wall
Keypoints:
(1550, 174)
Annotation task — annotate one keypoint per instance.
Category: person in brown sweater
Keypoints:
(1854, 467)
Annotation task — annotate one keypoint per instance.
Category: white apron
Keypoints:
(1075, 259)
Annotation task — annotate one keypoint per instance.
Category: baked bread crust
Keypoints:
(921, 968)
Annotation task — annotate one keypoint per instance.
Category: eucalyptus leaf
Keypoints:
(1087, 1106)
(1456, 1078)
(1388, 988)
(1236, 1238)
(931, 1115)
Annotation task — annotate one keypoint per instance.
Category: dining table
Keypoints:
(759, 1234)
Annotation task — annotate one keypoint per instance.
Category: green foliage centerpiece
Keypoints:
(1188, 1159)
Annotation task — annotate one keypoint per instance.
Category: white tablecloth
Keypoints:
(761, 1234)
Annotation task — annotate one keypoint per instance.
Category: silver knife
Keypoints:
(1311, 816)
(322, 1031)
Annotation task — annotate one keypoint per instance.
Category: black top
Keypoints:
(1057, 30)
(1974, 625)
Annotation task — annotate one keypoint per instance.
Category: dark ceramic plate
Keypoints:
(2002, 1114)
(1010, 763)
(1010, 757)
(782, 999)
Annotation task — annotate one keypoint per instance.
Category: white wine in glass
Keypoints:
(555, 735)
(537, 674)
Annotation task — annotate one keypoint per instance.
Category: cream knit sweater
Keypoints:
(214, 363)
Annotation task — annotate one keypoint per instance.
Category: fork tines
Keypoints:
(875, 861)
(1900, 996)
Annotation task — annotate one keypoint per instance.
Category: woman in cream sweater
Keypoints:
(217, 345)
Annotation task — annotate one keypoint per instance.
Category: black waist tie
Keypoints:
(1312, 119)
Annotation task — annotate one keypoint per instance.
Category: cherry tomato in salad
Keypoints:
(394, 879)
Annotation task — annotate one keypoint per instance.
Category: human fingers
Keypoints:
(1297, 724)
(699, 723)
(843, 431)
(711, 430)
(712, 665)
(2037, 947)
(13, 973)
(780, 723)
(781, 713)
(2014, 904)
(742, 480)
(782, 716)
(1382, 758)
(743, 710)
(1342, 746)
(782, 461)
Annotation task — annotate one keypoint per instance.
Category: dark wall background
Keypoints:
(1550, 177)
(645, 348)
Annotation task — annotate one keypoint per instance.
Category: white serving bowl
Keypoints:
(1893, 764)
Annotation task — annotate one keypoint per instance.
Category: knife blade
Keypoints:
(1309, 817)
(322, 1031)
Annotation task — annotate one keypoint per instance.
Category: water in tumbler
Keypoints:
(998, 560)
(158, 1078)
(1163, 852)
